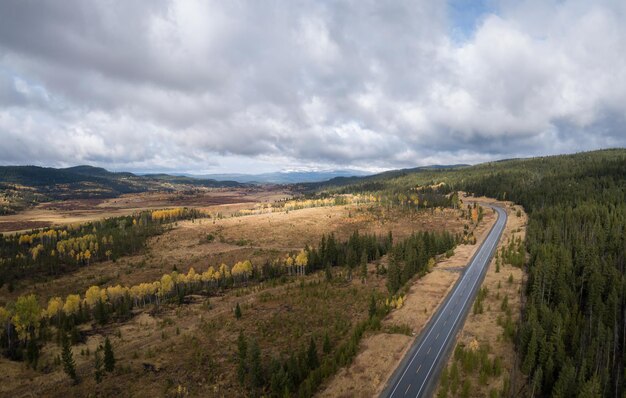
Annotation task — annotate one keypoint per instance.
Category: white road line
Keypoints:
(464, 278)
(425, 338)
(407, 389)
(447, 336)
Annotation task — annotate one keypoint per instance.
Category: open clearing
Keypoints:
(83, 210)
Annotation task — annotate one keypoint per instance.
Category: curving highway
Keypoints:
(419, 370)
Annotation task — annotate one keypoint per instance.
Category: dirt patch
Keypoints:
(6, 226)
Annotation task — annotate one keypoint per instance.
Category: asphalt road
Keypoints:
(418, 372)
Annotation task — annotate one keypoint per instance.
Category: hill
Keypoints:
(22, 186)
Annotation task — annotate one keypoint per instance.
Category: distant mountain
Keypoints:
(22, 186)
(284, 177)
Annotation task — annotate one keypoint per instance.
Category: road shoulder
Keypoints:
(483, 339)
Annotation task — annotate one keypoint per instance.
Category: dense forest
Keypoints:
(572, 338)
(416, 255)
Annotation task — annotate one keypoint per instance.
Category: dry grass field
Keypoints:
(192, 347)
(221, 200)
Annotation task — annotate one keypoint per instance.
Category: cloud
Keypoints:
(185, 85)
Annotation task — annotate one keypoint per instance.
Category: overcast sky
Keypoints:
(255, 86)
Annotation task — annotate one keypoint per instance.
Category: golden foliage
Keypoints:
(72, 304)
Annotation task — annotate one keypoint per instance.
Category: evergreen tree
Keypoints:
(372, 309)
(326, 347)
(109, 357)
(238, 311)
(363, 266)
(69, 366)
(328, 273)
(393, 276)
(32, 352)
(256, 372)
(242, 348)
(312, 360)
(98, 366)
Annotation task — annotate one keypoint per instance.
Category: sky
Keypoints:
(258, 86)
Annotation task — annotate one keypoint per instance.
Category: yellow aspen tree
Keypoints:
(72, 304)
(167, 285)
(236, 270)
(191, 275)
(224, 271)
(55, 306)
(115, 293)
(289, 263)
(247, 269)
(135, 294)
(93, 295)
(302, 260)
(26, 316)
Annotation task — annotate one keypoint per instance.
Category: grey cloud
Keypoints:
(172, 84)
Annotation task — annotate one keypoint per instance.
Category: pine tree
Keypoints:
(372, 310)
(326, 347)
(313, 361)
(256, 374)
(238, 311)
(243, 353)
(98, 364)
(109, 357)
(393, 276)
(69, 366)
(32, 352)
(363, 266)
(328, 273)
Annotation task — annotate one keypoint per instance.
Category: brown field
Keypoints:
(194, 345)
(221, 200)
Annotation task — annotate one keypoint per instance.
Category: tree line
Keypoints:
(52, 251)
(416, 255)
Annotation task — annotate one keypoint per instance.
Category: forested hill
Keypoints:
(502, 177)
(376, 181)
(21, 186)
(572, 338)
